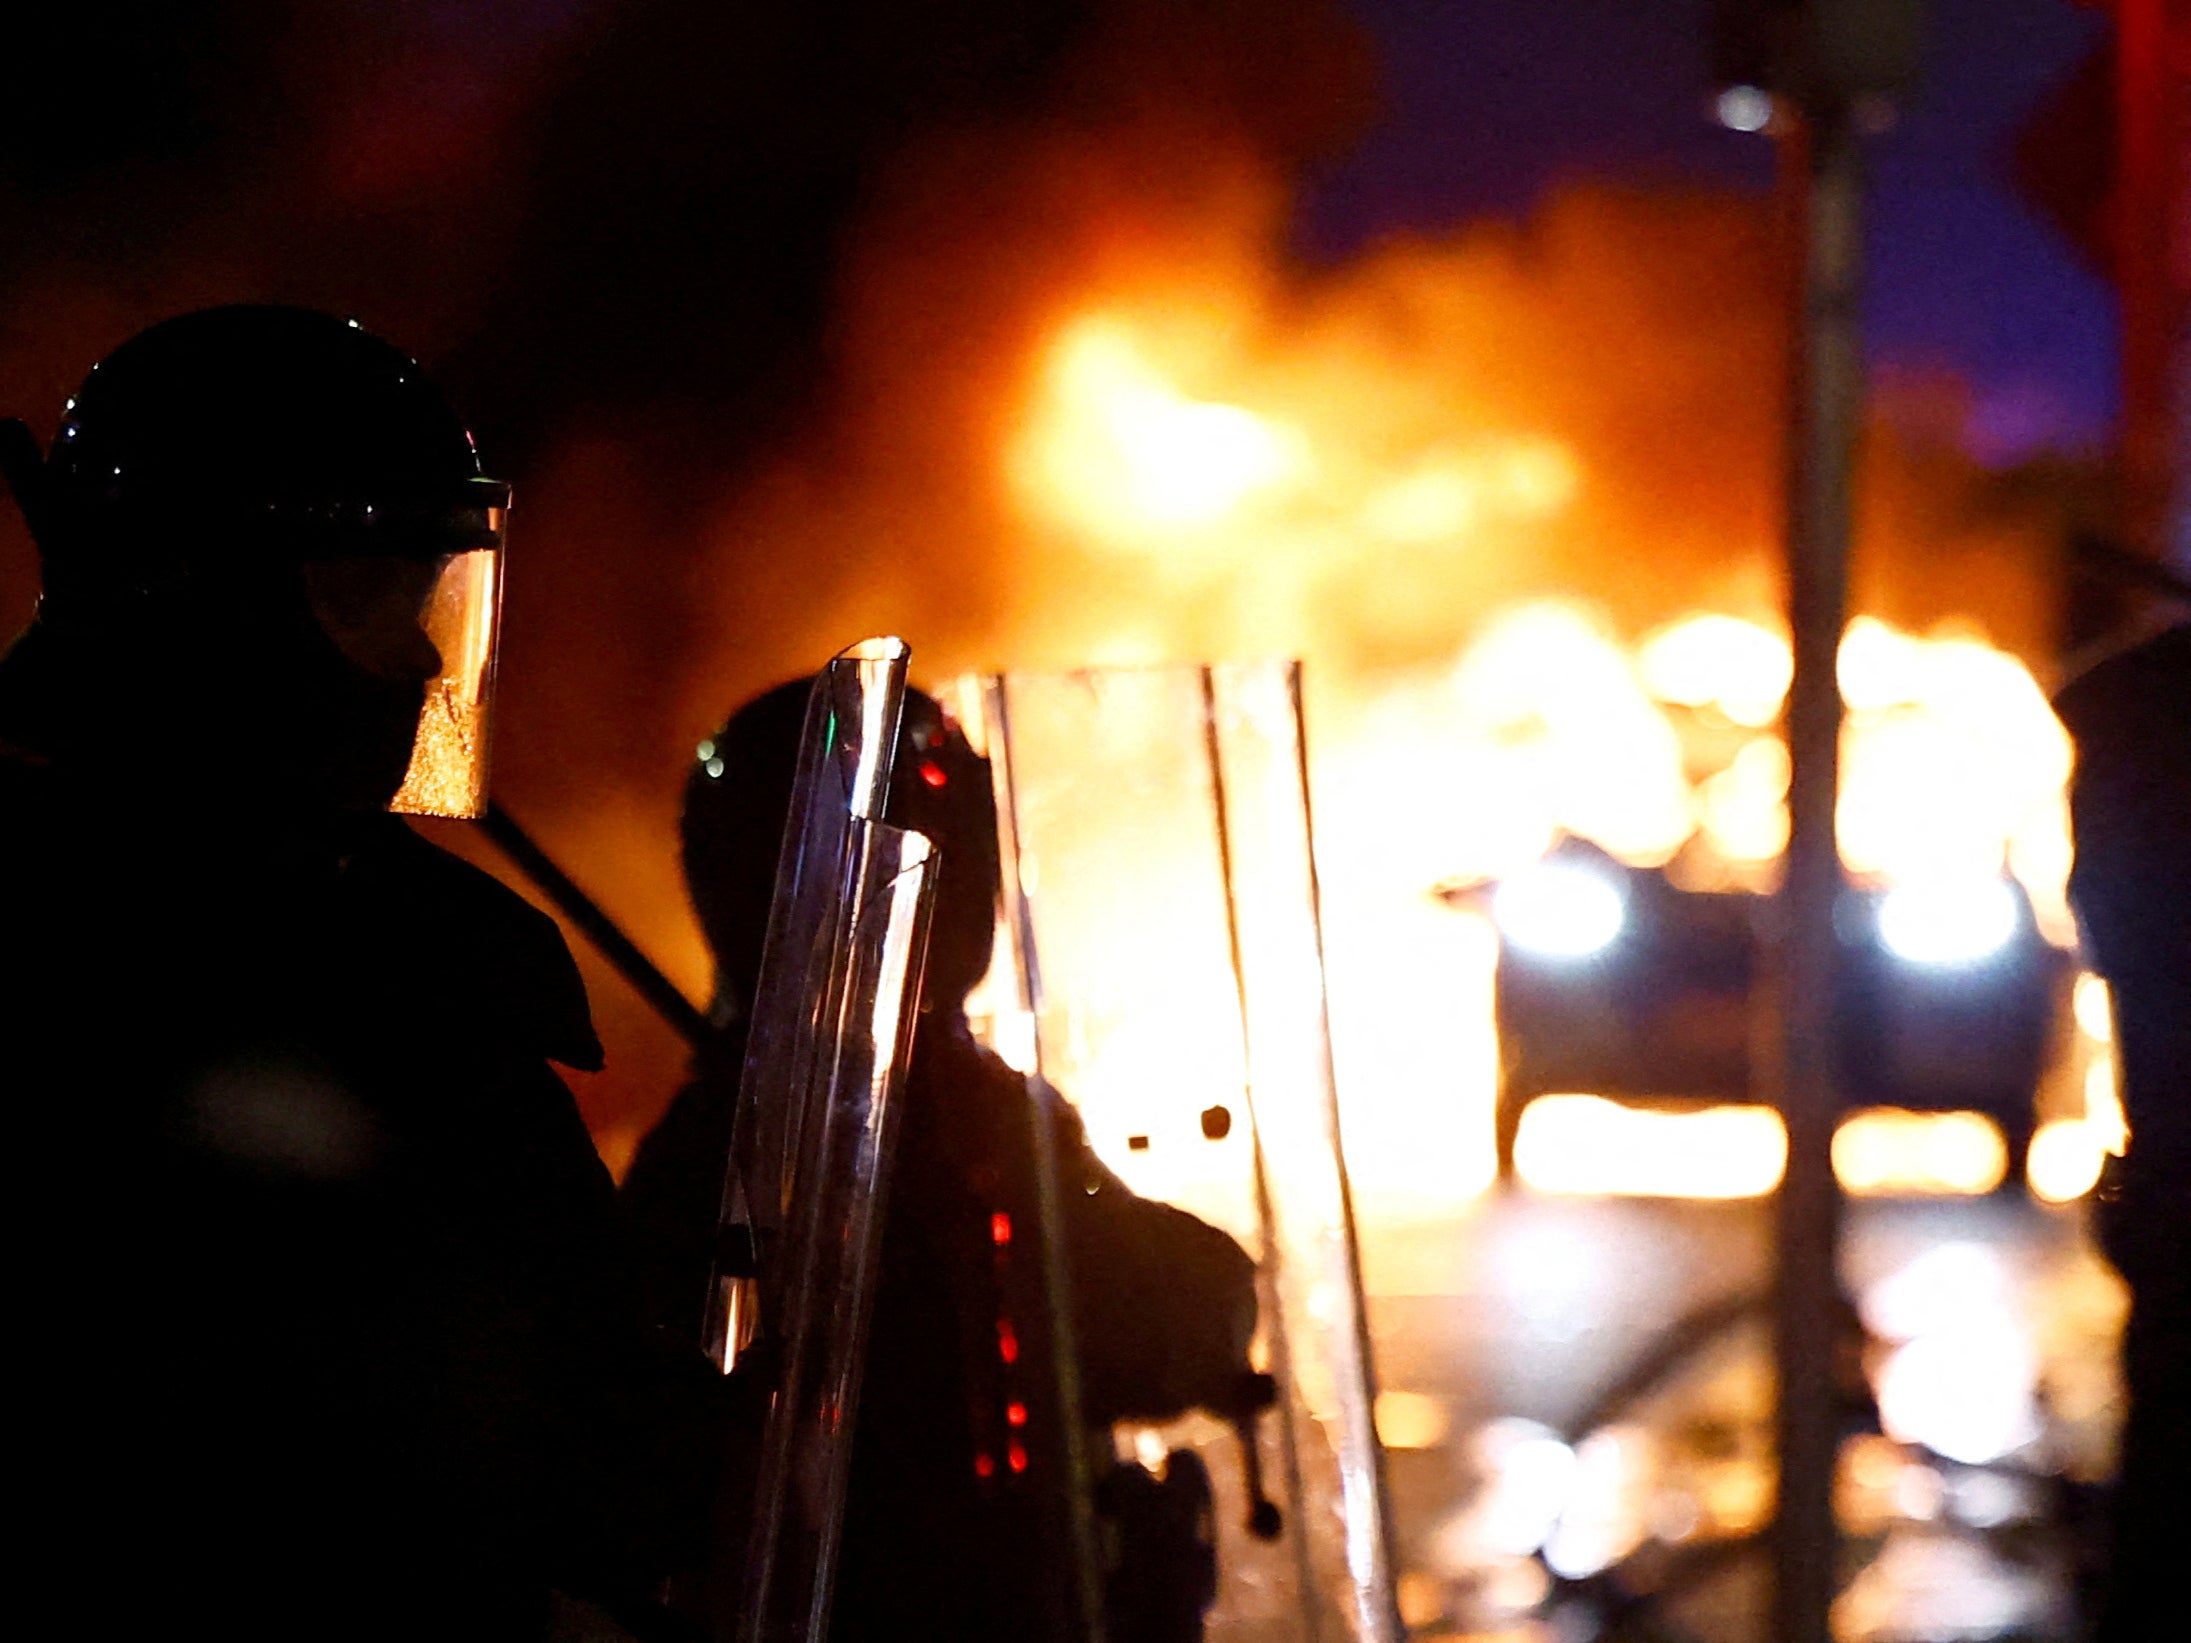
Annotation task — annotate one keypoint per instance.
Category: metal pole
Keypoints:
(1825, 171)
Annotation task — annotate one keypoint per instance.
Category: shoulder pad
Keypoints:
(2142, 687)
(511, 956)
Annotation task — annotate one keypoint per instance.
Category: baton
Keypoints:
(624, 958)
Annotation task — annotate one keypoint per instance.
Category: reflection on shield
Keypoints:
(1159, 962)
(802, 1204)
(461, 615)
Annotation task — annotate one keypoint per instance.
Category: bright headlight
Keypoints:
(1559, 909)
(1948, 922)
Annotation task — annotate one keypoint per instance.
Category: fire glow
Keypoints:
(1085, 422)
(1126, 453)
(1548, 723)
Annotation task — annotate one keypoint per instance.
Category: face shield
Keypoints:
(425, 630)
(461, 617)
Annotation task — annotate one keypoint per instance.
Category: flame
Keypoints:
(1079, 419)
(1121, 451)
(1660, 749)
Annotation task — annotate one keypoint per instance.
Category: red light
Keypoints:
(985, 1466)
(1007, 1341)
(1016, 1458)
(1000, 1228)
(1015, 1414)
(932, 773)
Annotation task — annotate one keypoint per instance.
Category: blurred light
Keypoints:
(2065, 1160)
(1886, 1152)
(1123, 451)
(1952, 761)
(1674, 1516)
(1410, 1420)
(1537, 477)
(1924, 1584)
(1422, 1598)
(1557, 735)
(1559, 909)
(1607, 1511)
(1870, 1463)
(1514, 1586)
(1550, 1267)
(1744, 807)
(1432, 504)
(1585, 1144)
(1948, 922)
(1151, 1450)
(2103, 1104)
(1528, 1473)
(1878, 1482)
(1737, 1499)
(1963, 1392)
(1011, 1033)
(1744, 108)
(1986, 1500)
(1963, 1379)
(1918, 1492)
(1947, 1286)
(2095, 1008)
(1717, 661)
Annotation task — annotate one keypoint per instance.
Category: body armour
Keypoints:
(326, 1323)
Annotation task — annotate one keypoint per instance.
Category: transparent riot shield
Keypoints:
(803, 1197)
(1160, 964)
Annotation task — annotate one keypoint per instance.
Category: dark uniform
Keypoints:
(950, 1530)
(325, 1327)
(2131, 806)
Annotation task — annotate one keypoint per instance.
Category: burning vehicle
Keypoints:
(1617, 982)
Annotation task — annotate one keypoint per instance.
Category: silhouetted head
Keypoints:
(246, 524)
(738, 796)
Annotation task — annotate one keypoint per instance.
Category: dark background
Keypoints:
(582, 208)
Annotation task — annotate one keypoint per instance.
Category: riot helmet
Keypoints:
(738, 794)
(283, 481)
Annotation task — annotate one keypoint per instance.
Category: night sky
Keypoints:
(1489, 103)
(571, 206)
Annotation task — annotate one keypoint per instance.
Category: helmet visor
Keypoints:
(462, 615)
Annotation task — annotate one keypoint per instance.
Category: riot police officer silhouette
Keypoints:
(944, 1532)
(324, 1328)
(2130, 803)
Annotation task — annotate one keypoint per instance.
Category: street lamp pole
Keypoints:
(1828, 66)
(1825, 170)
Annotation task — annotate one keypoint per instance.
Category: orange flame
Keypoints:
(1082, 423)
(1546, 724)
